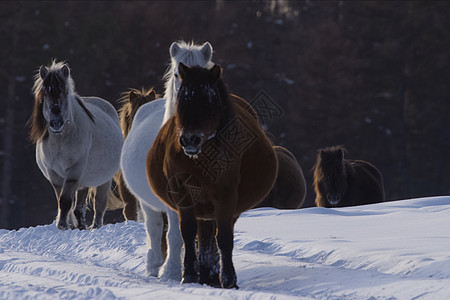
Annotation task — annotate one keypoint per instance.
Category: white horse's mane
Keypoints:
(54, 67)
(189, 54)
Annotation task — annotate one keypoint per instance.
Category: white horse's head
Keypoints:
(190, 55)
(54, 87)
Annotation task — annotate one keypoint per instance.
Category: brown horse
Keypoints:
(289, 190)
(131, 101)
(342, 182)
(210, 162)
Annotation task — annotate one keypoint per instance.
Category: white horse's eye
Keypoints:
(176, 76)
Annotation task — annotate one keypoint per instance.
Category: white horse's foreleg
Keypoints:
(172, 267)
(80, 208)
(154, 227)
(100, 203)
(66, 203)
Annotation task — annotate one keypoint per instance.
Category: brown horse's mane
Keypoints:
(131, 101)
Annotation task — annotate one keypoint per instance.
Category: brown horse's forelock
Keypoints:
(129, 108)
(327, 167)
(195, 108)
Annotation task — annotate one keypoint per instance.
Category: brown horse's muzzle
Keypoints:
(191, 143)
(334, 199)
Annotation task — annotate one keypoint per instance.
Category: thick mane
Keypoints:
(190, 55)
(37, 123)
(130, 106)
(200, 99)
(328, 163)
(86, 110)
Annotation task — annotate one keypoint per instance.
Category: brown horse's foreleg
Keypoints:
(188, 226)
(80, 208)
(208, 256)
(66, 203)
(225, 243)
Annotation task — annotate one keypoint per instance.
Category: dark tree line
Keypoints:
(371, 75)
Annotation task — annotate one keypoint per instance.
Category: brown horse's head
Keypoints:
(330, 174)
(203, 107)
(131, 101)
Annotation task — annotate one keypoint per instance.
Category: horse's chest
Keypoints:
(60, 159)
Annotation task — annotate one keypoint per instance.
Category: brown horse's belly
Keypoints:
(258, 176)
(205, 211)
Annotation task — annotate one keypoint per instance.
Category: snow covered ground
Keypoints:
(393, 250)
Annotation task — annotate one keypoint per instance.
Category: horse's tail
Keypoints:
(114, 202)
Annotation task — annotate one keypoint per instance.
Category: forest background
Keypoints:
(370, 75)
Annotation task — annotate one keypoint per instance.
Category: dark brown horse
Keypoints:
(131, 101)
(210, 162)
(342, 182)
(289, 190)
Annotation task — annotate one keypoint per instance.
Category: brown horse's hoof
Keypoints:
(233, 286)
(229, 283)
(212, 281)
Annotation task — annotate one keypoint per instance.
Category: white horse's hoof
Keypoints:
(153, 263)
(170, 271)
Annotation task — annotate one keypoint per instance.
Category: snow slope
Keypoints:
(393, 250)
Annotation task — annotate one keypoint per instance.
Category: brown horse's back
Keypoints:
(244, 104)
(366, 182)
(289, 190)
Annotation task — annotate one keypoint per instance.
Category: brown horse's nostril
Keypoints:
(190, 140)
(183, 141)
(195, 140)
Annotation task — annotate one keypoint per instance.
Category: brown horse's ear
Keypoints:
(133, 95)
(182, 70)
(216, 72)
(341, 153)
(321, 153)
(152, 95)
(43, 72)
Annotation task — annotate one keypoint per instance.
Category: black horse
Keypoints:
(342, 182)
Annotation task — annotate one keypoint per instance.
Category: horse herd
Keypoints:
(191, 161)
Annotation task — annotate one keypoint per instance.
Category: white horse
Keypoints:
(146, 124)
(78, 145)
